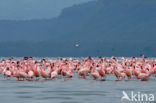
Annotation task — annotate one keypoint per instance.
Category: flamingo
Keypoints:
(117, 74)
(143, 76)
(54, 74)
(23, 75)
(95, 74)
(70, 74)
(8, 73)
(28, 68)
(30, 75)
(36, 72)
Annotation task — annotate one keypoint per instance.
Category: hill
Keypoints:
(103, 27)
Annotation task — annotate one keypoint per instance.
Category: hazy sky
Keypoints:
(34, 9)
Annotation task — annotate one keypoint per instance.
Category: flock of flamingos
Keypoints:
(97, 69)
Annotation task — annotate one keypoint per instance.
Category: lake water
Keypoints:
(73, 90)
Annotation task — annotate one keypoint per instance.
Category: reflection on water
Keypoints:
(71, 91)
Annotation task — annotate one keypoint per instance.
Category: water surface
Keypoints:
(71, 90)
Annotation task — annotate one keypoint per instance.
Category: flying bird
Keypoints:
(77, 45)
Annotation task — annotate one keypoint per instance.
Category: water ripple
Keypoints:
(59, 98)
(24, 97)
(23, 92)
(29, 87)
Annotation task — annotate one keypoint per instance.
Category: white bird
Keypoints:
(77, 45)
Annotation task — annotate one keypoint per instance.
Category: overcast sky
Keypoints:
(33, 9)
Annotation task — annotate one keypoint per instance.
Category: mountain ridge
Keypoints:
(103, 27)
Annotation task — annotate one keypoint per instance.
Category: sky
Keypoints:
(34, 9)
